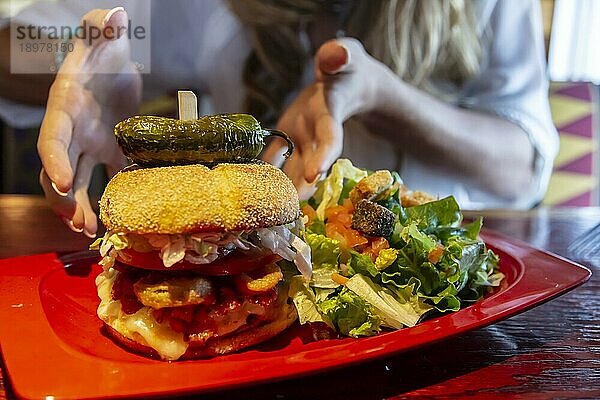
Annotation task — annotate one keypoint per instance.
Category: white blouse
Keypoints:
(201, 45)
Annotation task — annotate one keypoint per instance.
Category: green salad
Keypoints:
(386, 257)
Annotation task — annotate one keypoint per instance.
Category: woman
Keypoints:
(451, 93)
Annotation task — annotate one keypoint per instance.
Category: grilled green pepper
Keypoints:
(211, 139)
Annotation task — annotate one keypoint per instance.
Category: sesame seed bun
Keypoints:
(194, 198)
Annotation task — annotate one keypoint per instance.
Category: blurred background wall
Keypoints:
(572, 29)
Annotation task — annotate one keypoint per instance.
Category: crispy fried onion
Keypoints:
(260, 280)
(173, 292)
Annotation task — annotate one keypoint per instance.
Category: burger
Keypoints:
(194, 258)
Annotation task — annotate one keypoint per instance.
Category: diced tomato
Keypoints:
(379, 243)
(347, 237)
(436, 253)
(335, 230)
(368, 251)
(376, 244)
(332, 212)
(355, 238)
(337, 210)
(341, 213)
(309, 212)
(345, 219)
(348, 206)
(232, 264)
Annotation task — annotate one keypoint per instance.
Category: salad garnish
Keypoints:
(387, 257)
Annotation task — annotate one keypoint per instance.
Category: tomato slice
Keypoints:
(232, 264)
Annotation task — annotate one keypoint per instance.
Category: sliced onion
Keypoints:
(302, 259)
(201, 259)
(174, 251)
(281, 241)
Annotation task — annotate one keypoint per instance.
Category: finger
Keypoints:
(102, 25)
(116, 18)
(294, 169)
(63, 206)
(81, 183)
(331, 58)
(105, 24)
(306, 190)
(329, 139)
(53, 145)
(78, 220)
(298, 132)
(74, 153)
(118, 163)
(338, 55)
(273, 154)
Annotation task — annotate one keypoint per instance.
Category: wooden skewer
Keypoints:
(188, 105)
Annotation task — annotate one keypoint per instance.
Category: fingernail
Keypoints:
(346, 57)
(88, 234)
(57, 190)
(111, 13)
(69, 223)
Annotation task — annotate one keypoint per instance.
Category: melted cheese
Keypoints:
(141, 327)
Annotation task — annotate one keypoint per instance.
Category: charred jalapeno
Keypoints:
(211, 139)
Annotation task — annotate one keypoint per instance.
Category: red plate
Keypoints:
(53, 345)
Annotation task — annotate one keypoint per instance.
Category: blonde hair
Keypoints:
(420, 40)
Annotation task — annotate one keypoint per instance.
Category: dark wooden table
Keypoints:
(551, 351)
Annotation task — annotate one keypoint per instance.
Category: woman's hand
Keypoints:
(344, 86)
(84, 104)
(468, 144)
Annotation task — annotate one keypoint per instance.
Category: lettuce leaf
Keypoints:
(459, 275)
(470, 231)
(329, 190)
(110, 240)
(361, 264)
(109, 245)
(443, 212)
(346, 189)
(304, 300)
(325, 256)
(351, 314)
(394, 310)
(316, 226)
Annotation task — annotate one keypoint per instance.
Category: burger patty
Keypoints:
(198, 306)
